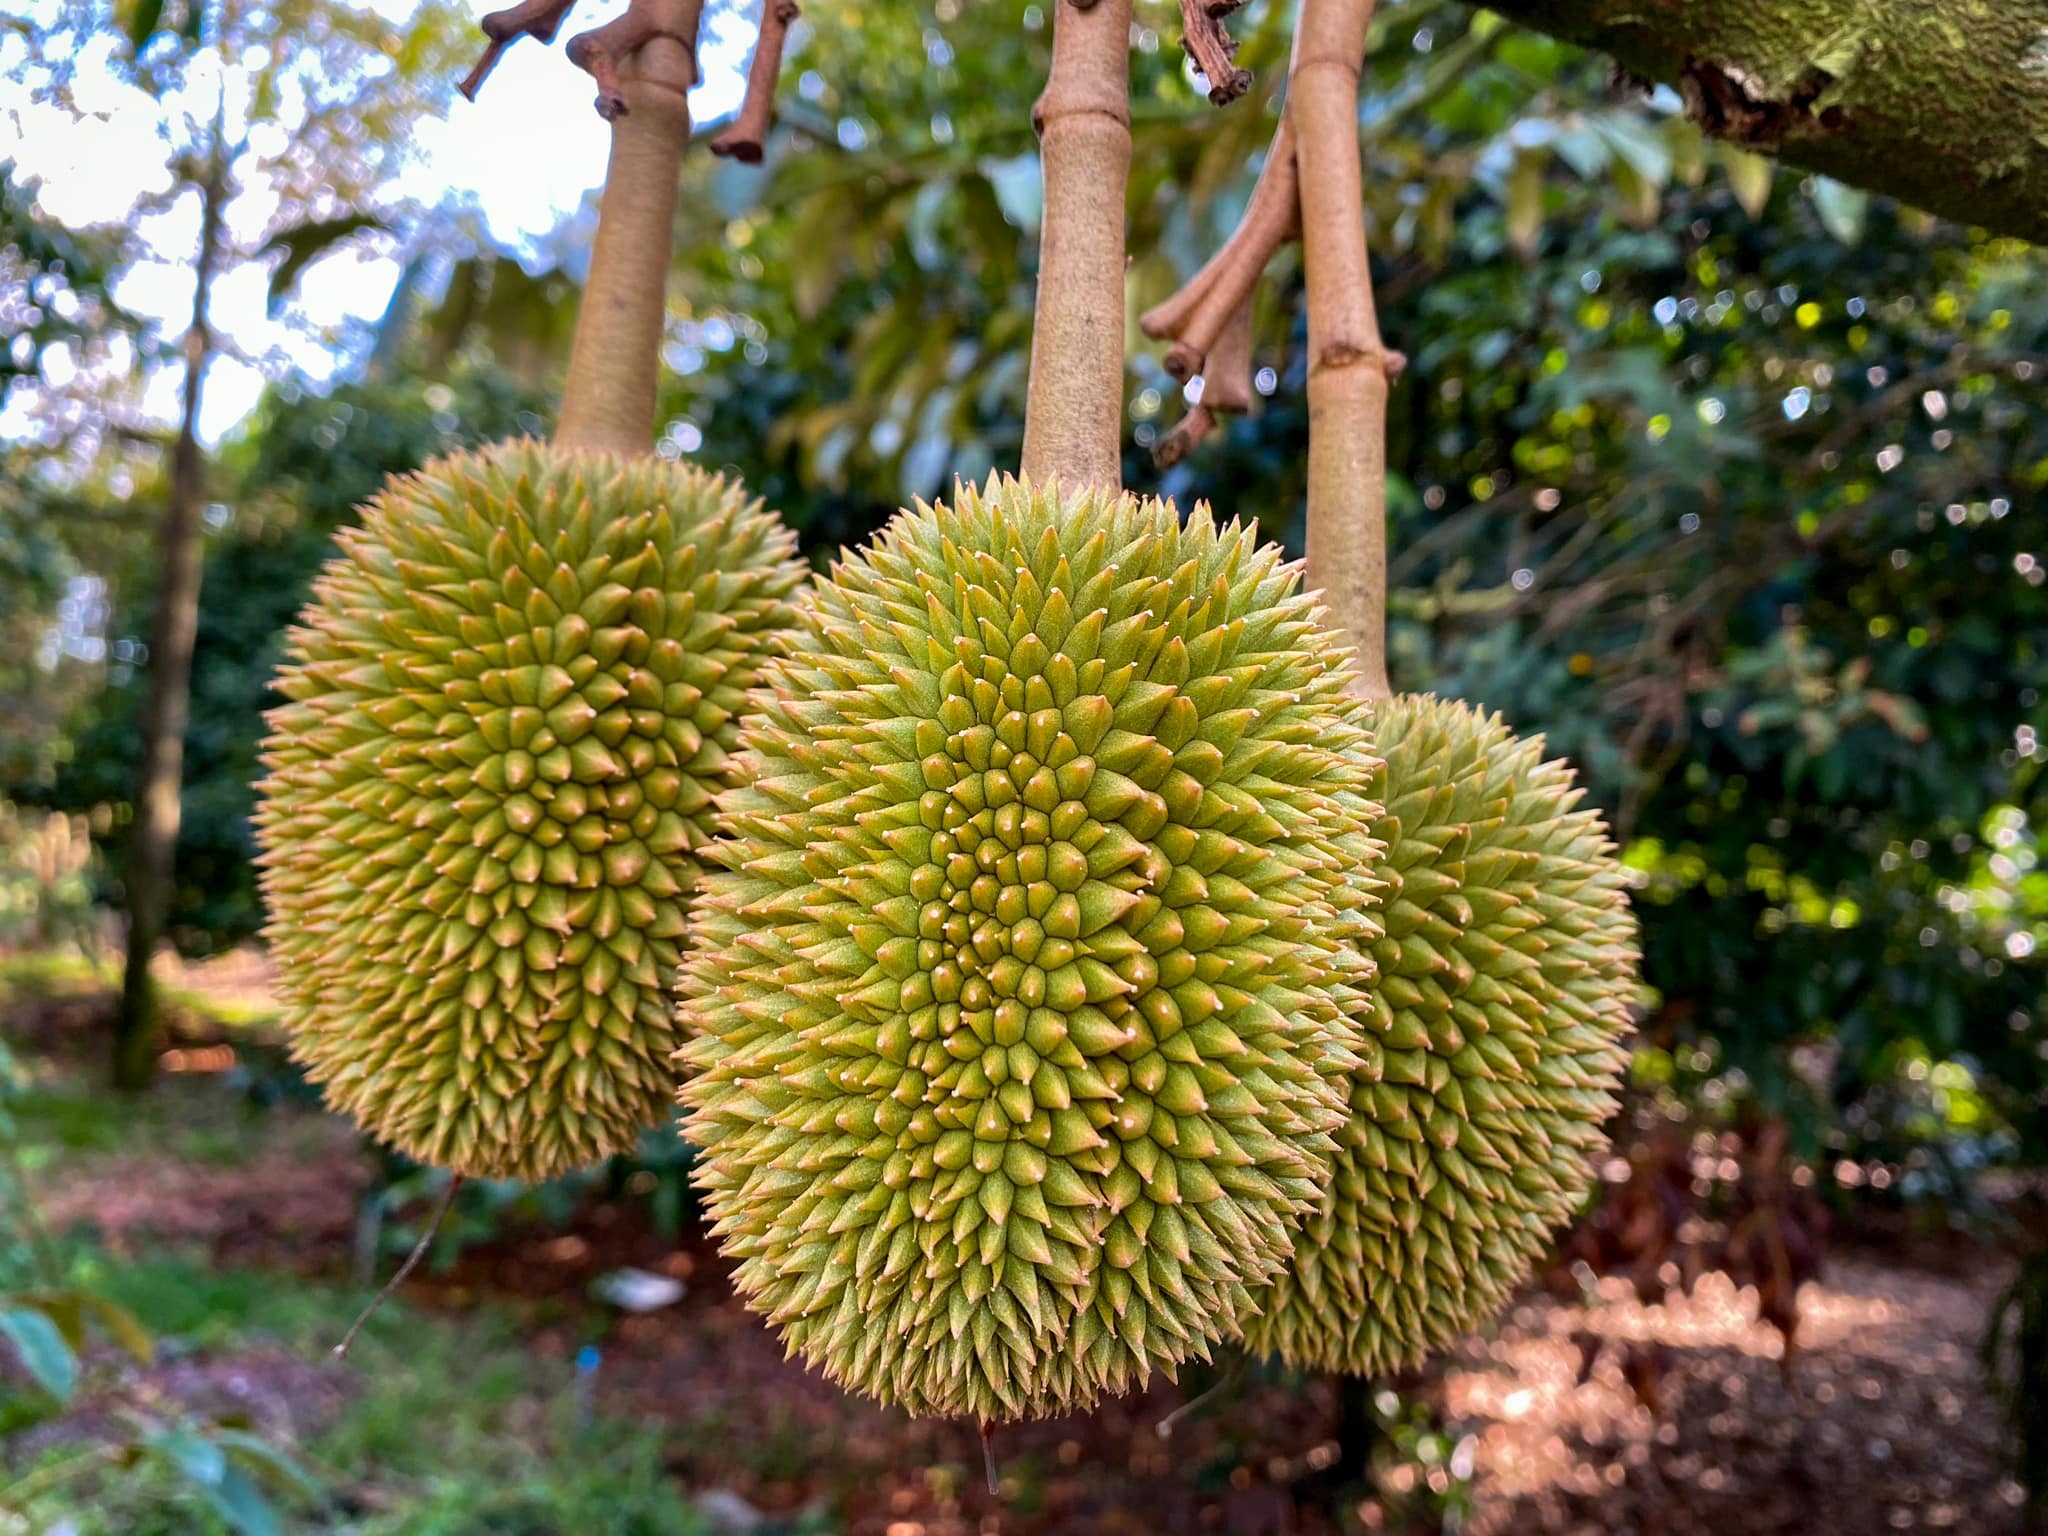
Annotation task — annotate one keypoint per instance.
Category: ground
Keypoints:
(231, 1227)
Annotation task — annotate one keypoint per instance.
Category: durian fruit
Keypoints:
(1014, 1064)
(509, 701)
(1489, 1047)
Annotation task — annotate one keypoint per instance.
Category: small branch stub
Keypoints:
(1226, 388)
(1209, 43)
(744, 140)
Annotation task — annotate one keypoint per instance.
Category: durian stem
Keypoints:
(615, 363)
(412, 1260)
(1073, 414)
(1348, 366)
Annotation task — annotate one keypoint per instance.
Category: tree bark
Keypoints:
(153, 838)
(1944, 106)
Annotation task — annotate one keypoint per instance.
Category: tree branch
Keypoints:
(1073, 415)
(743, 140)
(1901, 99)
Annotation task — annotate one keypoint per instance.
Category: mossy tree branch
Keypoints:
(1944, 106)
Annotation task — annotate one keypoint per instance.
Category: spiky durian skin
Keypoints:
(509, 700)
(1013, 1063)
(1489, 1047)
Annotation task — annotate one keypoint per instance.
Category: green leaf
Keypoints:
(257, 1453)
(1525, 202)
(42, 1349)
(197, 1458)
(123, 1327)
(149, 14)
(1749, 176)
(239, 1502)
(1841, 208)
(304, 244)
(1640, 146)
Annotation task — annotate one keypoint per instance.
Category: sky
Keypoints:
(526, 151)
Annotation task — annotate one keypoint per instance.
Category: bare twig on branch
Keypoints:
(1226, 389)
(1209, 43)
(1196, 315)
(603, 50)
(743, 140)
(530, 18)
(1073, 414)
(1348, 366)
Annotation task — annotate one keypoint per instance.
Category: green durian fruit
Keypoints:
(1489, 1047)
(1014, 1063)
(509, 701)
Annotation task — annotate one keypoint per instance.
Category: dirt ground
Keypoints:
(1880, 1424)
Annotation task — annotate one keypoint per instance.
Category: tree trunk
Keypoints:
(1941, 105)
(153, 839)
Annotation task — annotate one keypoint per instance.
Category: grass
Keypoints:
(444, 1427)
(435, 1426)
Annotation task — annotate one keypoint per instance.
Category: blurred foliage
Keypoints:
(46, 880)
(294, 476)
(76, 1350)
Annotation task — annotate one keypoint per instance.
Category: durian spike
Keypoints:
(419, 1251)
(1348, 365)
(1074, 403)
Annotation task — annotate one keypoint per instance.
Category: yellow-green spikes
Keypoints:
(508, 702)
(1014, 1061)
(1489, 1049)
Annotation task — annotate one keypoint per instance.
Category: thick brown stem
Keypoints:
(644, 72)
(153, 838)
(1348, 365)
(1196, 316)
(1073, 416)
(1209, 43)
(744, 139)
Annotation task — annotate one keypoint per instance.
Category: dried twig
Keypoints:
(1209, 43)
(411, 1263)
(529, 18)
(743, 140)
(602, 50)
